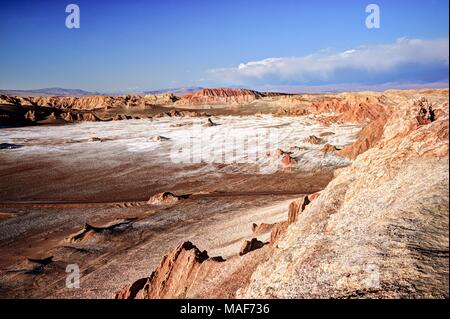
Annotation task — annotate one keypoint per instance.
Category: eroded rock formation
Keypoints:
(312, 139)
(329, 149)
(165, 198)
(220, 96)
(296, 207)
(90, 231)
(174, 276)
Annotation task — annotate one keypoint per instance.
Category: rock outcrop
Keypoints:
(368, 137)
(173, 277)
(329, 149)
(250, 245)
(344, 107)
(296, 207)
(90, 231)
(284, 158)
(165, 198)
(220, 96)
(312, 139)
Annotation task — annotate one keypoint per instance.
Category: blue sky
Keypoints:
(141, 45)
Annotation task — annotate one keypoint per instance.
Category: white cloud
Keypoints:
(326, 65)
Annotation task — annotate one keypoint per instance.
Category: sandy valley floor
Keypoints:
(62, 177)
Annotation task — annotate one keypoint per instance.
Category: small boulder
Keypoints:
(312, 139)
(329, 149)
(288, 160)
(210, 123)
(165, 198)
(159, 138)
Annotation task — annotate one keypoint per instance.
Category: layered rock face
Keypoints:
(344, 107)
(380, 228)
(220, 96)
(90, 102)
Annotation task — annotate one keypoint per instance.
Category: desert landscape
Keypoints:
(225, 193)
(223, 158)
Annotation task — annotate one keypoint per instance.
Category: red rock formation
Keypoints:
(277, 231)
(296, 207)
(288, 160)
(368, 137)
(284, 157)
(346, 107)
(165, 198)
(220, 96)
(90, 102)
(313, 139)
(329, 149)
(173, 277)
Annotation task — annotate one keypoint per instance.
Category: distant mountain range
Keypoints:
(177, 91)
(293, 89)
(78, 92)
(49, 92)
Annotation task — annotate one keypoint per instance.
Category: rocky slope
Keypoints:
(379, 229)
